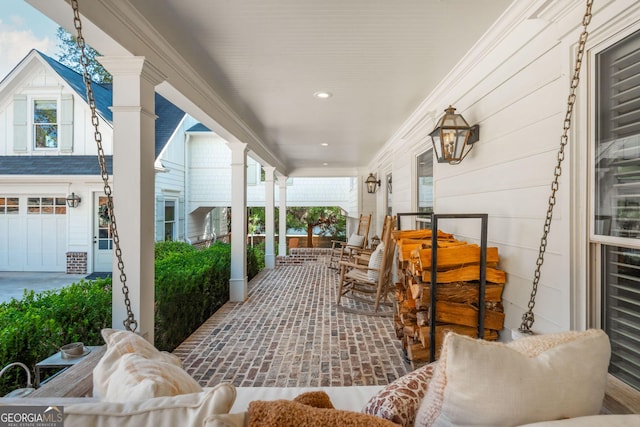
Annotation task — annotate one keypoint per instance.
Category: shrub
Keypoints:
(190, 286)
(35, 327)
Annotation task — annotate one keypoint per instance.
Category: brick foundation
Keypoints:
(304, 256)
(76, 263)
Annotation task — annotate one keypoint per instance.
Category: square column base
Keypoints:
(238, 290)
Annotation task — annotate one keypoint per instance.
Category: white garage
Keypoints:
(33, 233)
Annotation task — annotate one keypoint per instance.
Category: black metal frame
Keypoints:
(434, 272)
(400, 215)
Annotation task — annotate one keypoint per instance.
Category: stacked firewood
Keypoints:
(457, 291)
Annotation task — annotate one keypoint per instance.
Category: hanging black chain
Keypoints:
(528, 317)
(130, 322)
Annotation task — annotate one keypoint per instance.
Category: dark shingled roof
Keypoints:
(199, 127)
(52, 165)
(169, 117)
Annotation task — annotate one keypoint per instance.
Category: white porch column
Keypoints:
(238, 281)
(134, 82)
(269, 218)
(282, 241)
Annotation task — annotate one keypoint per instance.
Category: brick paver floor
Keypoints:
(290, 333)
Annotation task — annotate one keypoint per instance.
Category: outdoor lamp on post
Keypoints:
(453, 138)
(73, 200)
(371, 182)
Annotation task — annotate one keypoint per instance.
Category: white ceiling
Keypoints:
(265, 59)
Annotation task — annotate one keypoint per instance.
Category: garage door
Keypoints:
(33, 233)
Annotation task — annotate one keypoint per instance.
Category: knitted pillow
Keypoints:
(375, 261)
(399, 401)
(538, 378)
(355, 240)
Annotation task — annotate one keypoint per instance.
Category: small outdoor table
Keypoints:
(58, 361)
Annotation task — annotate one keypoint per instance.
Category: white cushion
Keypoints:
(375, 261)
(533, 379)
(133, 369)
(355, 240)
(628, 420)
(183, 410)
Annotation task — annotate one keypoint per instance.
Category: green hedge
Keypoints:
(36, 326)
(190, 286)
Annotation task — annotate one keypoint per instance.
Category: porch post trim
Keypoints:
(282, 241)
(269, 216)
(134, 81)
(238, 289)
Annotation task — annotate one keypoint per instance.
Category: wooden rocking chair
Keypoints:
(341, 251)
(357, 279)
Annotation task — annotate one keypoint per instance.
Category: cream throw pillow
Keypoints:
(533, 379)
(375, 261)
(184, 410)
(355, 240)
(133, 369)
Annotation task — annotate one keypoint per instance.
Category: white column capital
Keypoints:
(282, 181)
(132, 66)
(238, 147)
(269, 173)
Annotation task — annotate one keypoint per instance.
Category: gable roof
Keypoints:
(103, 94)
(169, 118)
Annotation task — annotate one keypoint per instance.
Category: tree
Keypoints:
(328, 219)
(70, 56)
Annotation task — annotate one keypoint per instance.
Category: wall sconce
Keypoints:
(372, 182)
(453, 138)
(73, 200)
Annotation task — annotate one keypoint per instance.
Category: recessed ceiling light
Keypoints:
(322, 94)
(325, 164)
(324, 144)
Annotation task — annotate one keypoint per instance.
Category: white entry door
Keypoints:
(102, 241)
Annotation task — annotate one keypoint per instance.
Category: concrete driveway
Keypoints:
(13, 284)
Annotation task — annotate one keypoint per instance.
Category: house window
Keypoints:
(425, 182)
(45, 126)
(46, 206)
(169, 220)
(8, 205)
(615, 219)
(424, 188)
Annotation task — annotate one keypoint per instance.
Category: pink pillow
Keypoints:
(399, 401)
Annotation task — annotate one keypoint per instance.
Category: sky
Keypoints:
(23, 28)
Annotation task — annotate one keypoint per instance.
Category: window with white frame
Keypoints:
(9, 205)
(45, 124)
(425, 182)
(169, 220)
(615, 218)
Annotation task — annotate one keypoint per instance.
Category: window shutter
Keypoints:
(20, 123)
(66, 124)
(159, 219)
(251, 172)
(181, 208)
